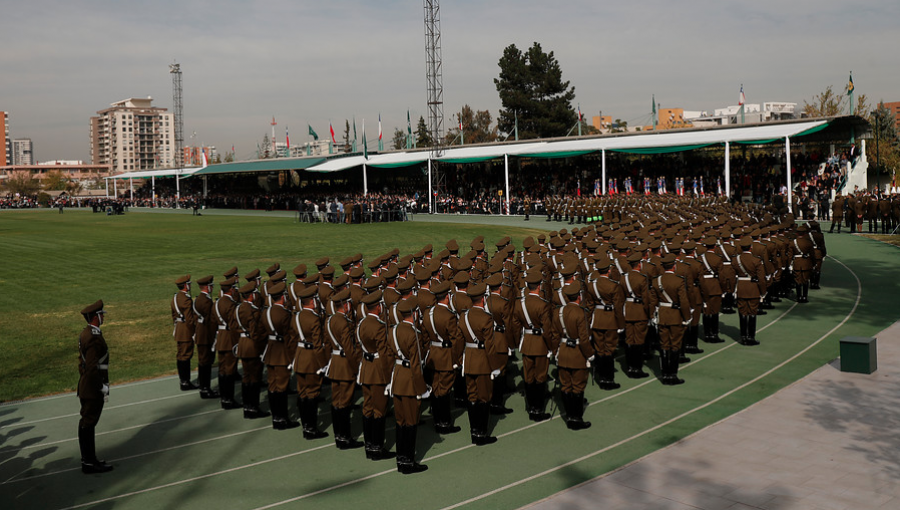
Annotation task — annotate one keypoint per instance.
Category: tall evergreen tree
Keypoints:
(423, 137)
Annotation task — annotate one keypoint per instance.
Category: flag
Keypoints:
(379, 127)
(312, 133)
(742, 99)
(850, 86)
(365, 149)
(353, 145)
(287, 139)
(579, 113)
(409, 137)
(232, 148)
(331, 129)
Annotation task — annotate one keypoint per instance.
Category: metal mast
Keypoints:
(435, 86)
(175, 71)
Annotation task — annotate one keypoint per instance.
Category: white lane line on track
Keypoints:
(105, 408)
(70, 394)
(375, 475)
(153, 452)
(682, 415)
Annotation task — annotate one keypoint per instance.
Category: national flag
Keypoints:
(365, 149)
(287, 139)
(379, 127)
(850, 85)
(331, 129)
(742, 99)
(579, 113)
(354, 129)
(408, 125)
(232, 148)
(459, 116)
(312, 133)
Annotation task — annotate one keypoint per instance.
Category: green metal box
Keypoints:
(858, 354)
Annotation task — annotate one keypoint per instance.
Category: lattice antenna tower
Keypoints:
(435, 86)
(175, 71)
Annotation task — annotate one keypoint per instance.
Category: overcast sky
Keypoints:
(315, 62)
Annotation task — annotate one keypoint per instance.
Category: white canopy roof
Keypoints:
(168, 172)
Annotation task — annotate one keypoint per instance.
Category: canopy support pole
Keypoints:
(365, 182)
(787, 156)
(728, 171)
(430, 193)
(506, 177)
(106, 180)
(205, 186)
(177, 190)
(603, 170)
(131, 185)
(153, 189)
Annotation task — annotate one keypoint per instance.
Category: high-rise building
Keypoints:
(133, 135)
(23, 151)
(6, 148)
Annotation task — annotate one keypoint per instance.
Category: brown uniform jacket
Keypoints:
(228, 332)
(407, 379)
(312, 352)
(751, 276)
(282, 342)
(609, 303)
(205, 331)
(440, 329)
(184, 317)
(538, 335)
(93, 363)
(671, 294)
(252, 338)
(802, 252)
(344, 355)
(378, 358)
(638, 303)
(500, 309)
(478, 330)
(711, 278)
(575, 348)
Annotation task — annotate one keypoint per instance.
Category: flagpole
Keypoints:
(727, 170)
(603, 169)
(365, 182)
(430, 194)
(506, 178)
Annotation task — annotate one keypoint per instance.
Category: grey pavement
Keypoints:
(829, 441)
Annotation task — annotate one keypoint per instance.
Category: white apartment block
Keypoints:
(23, 151)
(133, 135)
(6, 148)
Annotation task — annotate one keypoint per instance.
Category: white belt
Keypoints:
(567, 341)
(470, 345)
(402, 362)
(709, 276)
(726, 263)
(339, 352)
(744, 278)
(223, 328)
(667, 305)
(632, 300)
(245, 335)
(274, 338)
(103, 366)
(529, 332)
(800, 256)
(437, 344)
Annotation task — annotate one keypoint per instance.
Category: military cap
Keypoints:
(541, 238)
(357, 272)
(357, 258)
(495, 280)
(278, 276)
(475, 290)
(322, 262)
(668, 259)
(533, 276)
(206, 280)
(395, 252)
(300, 271)
(557, 243)
(533, 260)
(478, 247)
(452, 245)
(478, 239)
(591, 244)
(622, 245)
(419, 255)
(642, 247)
(252, 275)
(495, 267)
(503, 242)
(311, 279)
(422, 274)
(374, 263)
(427, 249)
(634, 257)
(802, 228)
(689, 246)
(567, 270)
(273, 269)
(183, 279)
(389, 274)
(405, 261)
(440, 288)
(97, 307)
(340, 297)
(346, 262)
(406, 285)
(327, 271)
(277, 289)
(341, 281)
(308, 292)
(528, 243)
(571, 290)
(602, 264)
(434, 267)
(745, 242)
(408, 305)
(373, 283)
(443, 254)
(461, 278)
(228, 284)
(248, 288)
(673, 247)
(231, 272)
(372, 298)
(709, 241)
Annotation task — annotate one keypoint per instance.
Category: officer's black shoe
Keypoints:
(775, 299)
(483, 440)
(500, 409)
(313, 433)
(284, 424)
(538, 416)
(230, 404)
(406, 451)
(760, 311)
(208, 393)
(184, 374)
(670, 375)
(446, 429)
(252, 413)
(605, 373)
(188, 386)
(410, 468)
(95, 466)
(634, 360)
(341, 423)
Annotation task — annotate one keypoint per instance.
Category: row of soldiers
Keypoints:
(855, 208)
(435, 326)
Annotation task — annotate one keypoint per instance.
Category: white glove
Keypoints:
(387, 390)
(290, 367)
(686, 323)
(426, 394)
(104, 389)
(455, 366)
(550, 355)
(495, 374)
(620, 330)
(588, 361)
(509, 351)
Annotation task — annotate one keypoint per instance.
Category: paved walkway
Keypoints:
(829, 441)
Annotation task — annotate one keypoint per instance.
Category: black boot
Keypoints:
(250, 396)
(342, 435)
(671, 377)
(204, 377)
(406, 451)
(226, 393)
(184, 375)
(534, 393)
(798, 289)
(806, 292)
(574, 404)
(751, 330)
(368, 438)
(497, 405)
(728, 303)
(279, 403)
(692, 340)
(376, 431)
(442, 412)
(634, 360)
(309, 415)
(90, 464)
(743, 319)
(483, 413)
(715, 339)
(606, 373)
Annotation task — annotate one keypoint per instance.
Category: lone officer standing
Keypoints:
(185, 320)
(93, 386)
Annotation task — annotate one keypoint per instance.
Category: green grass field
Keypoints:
(56, 264)
(173, 450)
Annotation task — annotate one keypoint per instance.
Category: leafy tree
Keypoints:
(56, 181)
(22, 183)
(399, 140)
(476, 127)
(619, 126)
(824, 104)
(265, 147)
(229, 157)
(531, 88)
(423, 136)
(883, 155)
(347, 145)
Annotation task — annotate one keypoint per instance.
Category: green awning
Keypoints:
(264, 165)
(663, 150)
(561, 154)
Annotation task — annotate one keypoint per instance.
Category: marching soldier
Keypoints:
(204, 336)
(538, 341)
(251, 342)
(342, 369)
(407, 386)
(478, 330)
(802, 250)
(310, 360)
(674, 314)
(227, 337)
(575, 354)
(278, 356)
(93, 386)
(444, 355)
(751, 285)
(185, 323)
(374, 375)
